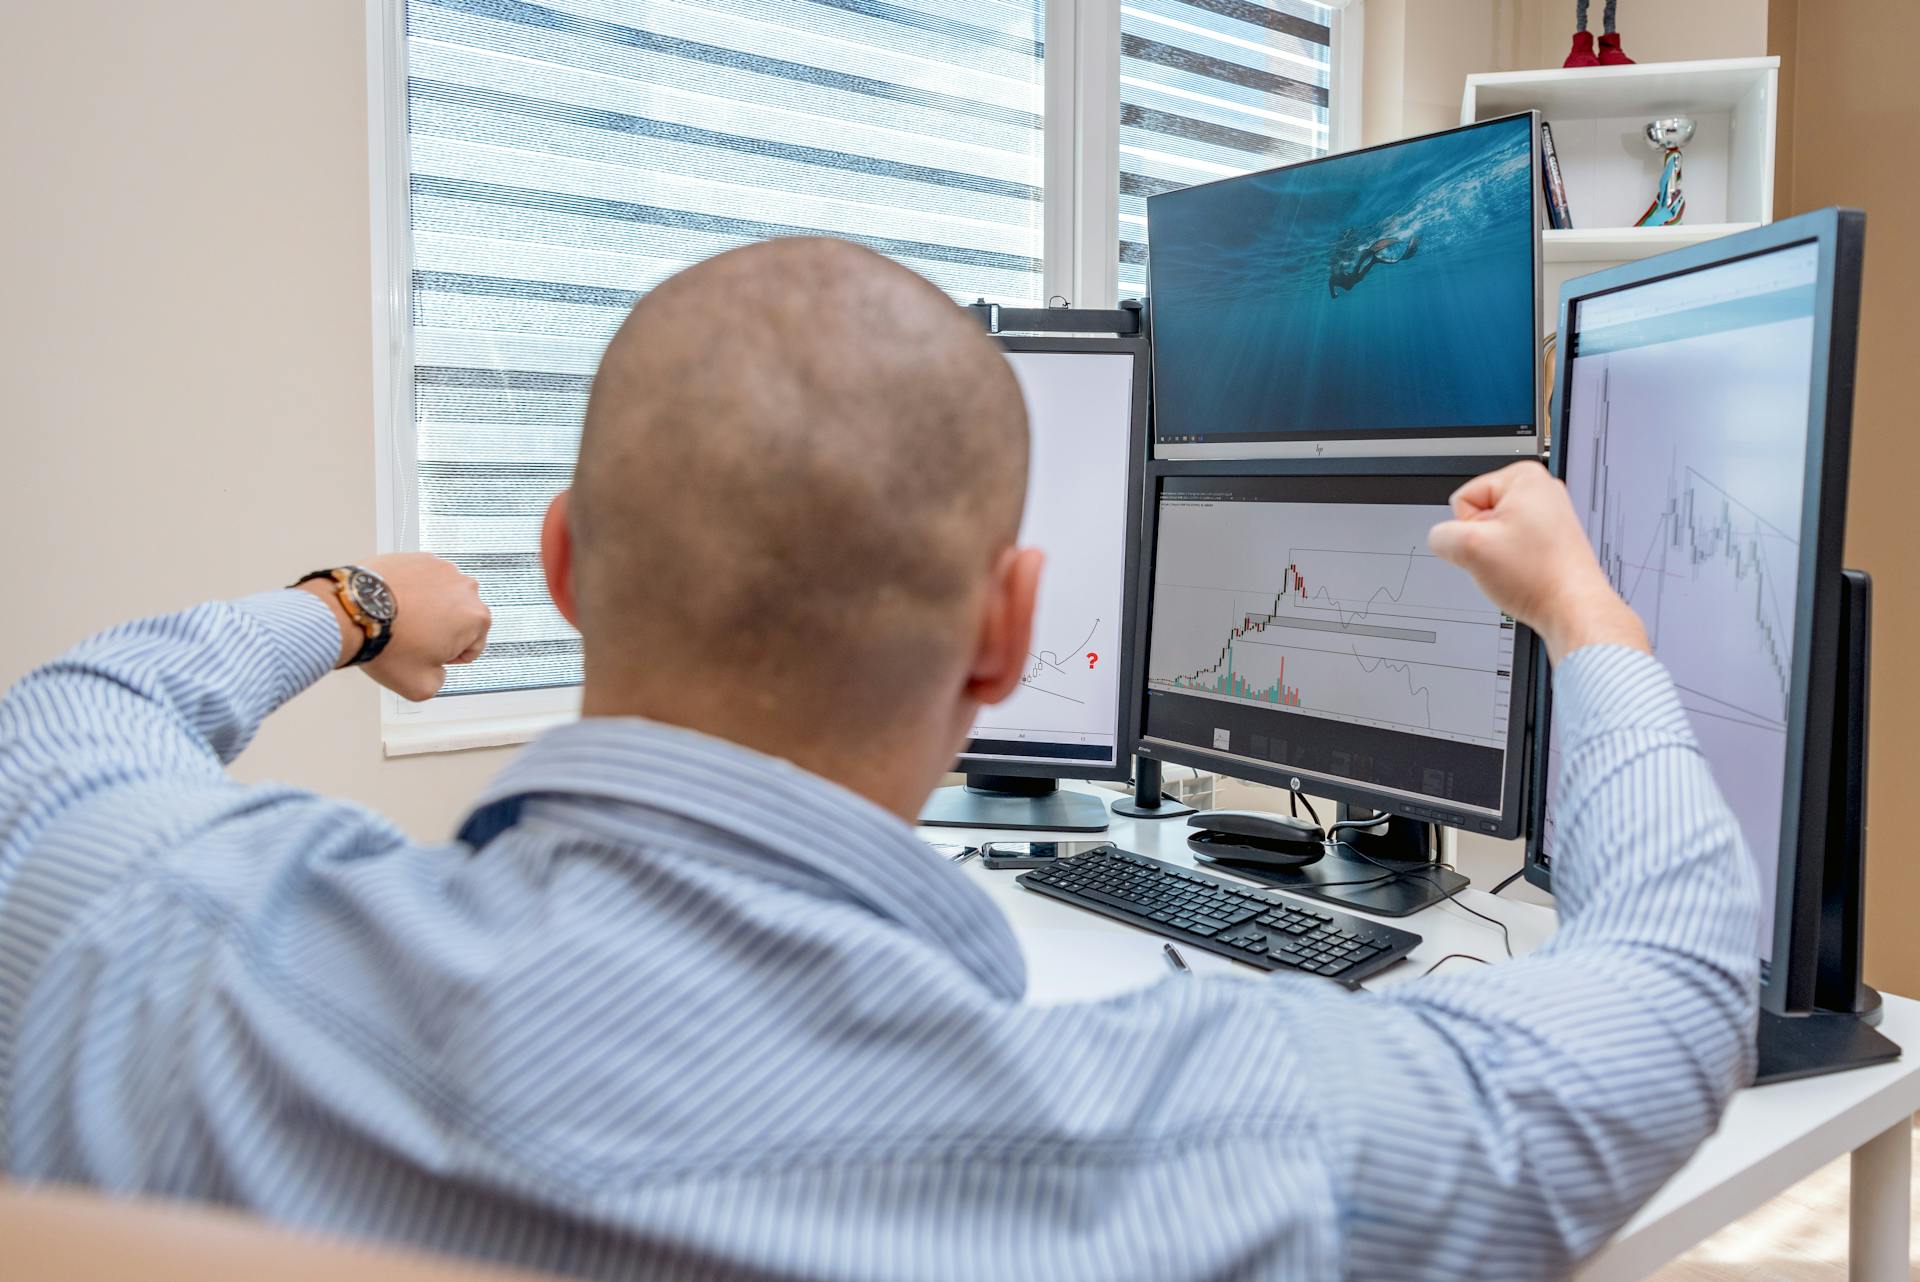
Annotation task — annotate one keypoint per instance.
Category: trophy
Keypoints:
(1668, 134)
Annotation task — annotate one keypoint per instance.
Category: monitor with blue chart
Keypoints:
(1382, 302)
(1086, 404)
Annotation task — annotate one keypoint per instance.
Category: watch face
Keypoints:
(371, 593)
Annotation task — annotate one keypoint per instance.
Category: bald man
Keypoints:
(686, 997)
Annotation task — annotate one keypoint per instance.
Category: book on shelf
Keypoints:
(1559, 216)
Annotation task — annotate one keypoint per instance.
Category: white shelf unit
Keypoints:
(1623, 244)
(1599, 117)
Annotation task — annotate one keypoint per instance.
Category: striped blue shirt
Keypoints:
(670, 1008)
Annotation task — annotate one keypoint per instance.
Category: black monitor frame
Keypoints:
(1435, 446)
(1790, 983)
(1122, 767)
(1515, 774)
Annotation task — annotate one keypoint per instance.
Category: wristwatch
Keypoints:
(367, 600)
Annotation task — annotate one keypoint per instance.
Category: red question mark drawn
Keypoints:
(1092, 659)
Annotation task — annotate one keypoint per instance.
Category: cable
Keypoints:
(1356, 825)
(1446, 896)
(1508, 882)
(1306, 801)
(1506, 937)
(1331, 885)
(1450, 957)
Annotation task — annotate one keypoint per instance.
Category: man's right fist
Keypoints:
(1515, 531)
(438, 619)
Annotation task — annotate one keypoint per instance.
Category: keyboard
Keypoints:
(1257, 927)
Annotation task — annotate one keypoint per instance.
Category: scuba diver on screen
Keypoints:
(1351, 260)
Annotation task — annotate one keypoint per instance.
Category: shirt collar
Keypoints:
(774, 811)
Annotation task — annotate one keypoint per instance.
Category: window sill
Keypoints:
(461, 723)
(497, 732)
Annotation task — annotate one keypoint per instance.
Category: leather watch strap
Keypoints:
(377, 633)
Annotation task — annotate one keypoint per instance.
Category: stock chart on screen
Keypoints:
(1333, 610)
(1686, 449)
(1303, 622)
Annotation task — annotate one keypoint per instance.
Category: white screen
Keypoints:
(1686, 444)
(1080, 420)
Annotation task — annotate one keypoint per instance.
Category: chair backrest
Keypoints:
(59, 1235)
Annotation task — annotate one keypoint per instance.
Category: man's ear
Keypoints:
(1006, 631)
(556, 556)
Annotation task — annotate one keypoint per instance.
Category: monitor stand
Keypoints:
(1014, 801)
(1794, 1046)
(1149, 801)
(1353, 872)
(1839, 1033)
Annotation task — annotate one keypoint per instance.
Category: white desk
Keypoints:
(1772, 1137)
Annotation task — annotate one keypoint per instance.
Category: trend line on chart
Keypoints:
(1422, 693)
(1701, 537)
(1047, 662)
(1347, 618)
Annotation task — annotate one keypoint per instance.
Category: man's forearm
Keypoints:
(1650, 854)
(176, 696)
(1584, 1074)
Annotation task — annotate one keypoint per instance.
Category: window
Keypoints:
(1210, 89)
(566, 156)
(540, 164)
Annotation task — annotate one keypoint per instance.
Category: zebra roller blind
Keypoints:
(1210, 89)
(567, 155)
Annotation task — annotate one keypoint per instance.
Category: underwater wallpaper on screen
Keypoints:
(1371, 293)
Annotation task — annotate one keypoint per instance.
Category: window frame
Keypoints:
(1079, 229)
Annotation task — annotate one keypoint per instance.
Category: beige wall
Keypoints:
(1650, 30)
(186, 338)
(1419, 53)
(1852, 92)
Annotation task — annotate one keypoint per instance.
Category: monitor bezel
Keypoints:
(1122, 766)
(1506, 825)
(1840, 234)
(1476, 442)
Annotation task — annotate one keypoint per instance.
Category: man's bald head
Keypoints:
(800, 467)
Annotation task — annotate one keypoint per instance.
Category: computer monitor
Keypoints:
(1702, 420)
(1297, 631)
(1086, 415)
(1382, 302)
